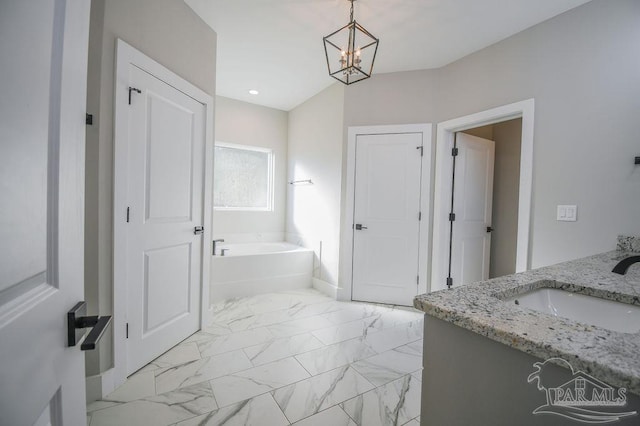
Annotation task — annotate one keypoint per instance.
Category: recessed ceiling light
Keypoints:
(253, 92)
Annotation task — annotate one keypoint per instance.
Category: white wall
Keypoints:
(394, 98)
(247, 124)
(172, 34)
(582, 69)
(315, 152)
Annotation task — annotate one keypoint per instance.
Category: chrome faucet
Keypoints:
(624, 264)
(213, 250)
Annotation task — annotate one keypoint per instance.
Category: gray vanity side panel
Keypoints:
(469, 379)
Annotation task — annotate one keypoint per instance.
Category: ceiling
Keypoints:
(275, 46)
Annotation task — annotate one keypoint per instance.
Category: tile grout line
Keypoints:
(303, 367)
(213, 395)
(345, 411)
(209, 338)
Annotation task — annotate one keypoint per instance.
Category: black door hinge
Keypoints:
(127, 331)
(417, 279)
(449, 282)
(452, 217)
(133, 89)
(127, 214)
(454, 152)
(419, 216)
(88, 120)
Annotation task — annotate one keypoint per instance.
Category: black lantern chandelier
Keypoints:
(350, 52)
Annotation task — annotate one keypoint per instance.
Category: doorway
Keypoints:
(504, 217)
(470, 219)
(485, 195)
(442, 226)
(386, 213)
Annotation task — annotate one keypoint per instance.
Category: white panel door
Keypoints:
(473, 197)
(43, 58)
(165, 199)
(386, 217)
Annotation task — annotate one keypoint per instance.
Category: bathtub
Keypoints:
(247, 269)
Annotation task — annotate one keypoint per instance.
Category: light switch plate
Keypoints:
(567, 213)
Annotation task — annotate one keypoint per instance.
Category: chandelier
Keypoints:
(350, 52)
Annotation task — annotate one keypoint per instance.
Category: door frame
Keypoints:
(127, 55)
(443, 171)
(345, 291)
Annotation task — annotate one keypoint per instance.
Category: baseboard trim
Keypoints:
(100, 385)
(322, 286)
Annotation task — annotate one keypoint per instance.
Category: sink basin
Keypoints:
(591, 310)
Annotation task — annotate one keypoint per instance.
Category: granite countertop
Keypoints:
(610, 356)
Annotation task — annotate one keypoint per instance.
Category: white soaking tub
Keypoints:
(247, 269)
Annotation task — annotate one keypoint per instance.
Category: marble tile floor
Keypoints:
(295, 357)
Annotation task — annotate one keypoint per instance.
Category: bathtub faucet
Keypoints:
(213, 251)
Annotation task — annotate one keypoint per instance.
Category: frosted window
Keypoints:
(242, 178)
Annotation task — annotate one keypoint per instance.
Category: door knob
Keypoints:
(360, 227)
(198, 230)
(77, 321)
